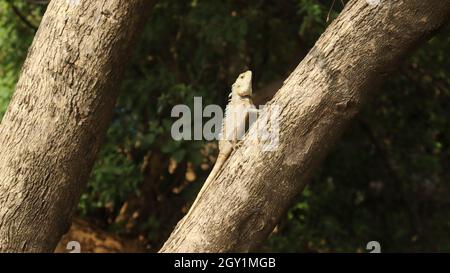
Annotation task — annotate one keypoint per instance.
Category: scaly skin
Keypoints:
(233, 128)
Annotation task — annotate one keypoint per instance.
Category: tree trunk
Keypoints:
(362, 46)
(58, 116)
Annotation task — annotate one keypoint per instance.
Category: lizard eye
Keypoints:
(241, 77)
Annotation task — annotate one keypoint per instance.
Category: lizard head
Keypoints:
(243, 84)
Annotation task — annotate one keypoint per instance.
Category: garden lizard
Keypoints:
(233, 125)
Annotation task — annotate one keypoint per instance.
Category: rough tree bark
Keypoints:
(58, 116)
(362, 46)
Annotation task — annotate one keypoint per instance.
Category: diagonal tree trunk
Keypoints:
(58, 116)
(362, 46)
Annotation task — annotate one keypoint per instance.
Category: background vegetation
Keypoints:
(386, 180)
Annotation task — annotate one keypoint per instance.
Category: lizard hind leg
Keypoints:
(237, 145)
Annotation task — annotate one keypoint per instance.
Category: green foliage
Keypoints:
(15, 38)
(386, 180)
(114, 178)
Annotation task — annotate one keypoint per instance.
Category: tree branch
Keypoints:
(47, 148)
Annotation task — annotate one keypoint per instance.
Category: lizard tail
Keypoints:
(221, 158)
(217, 167)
